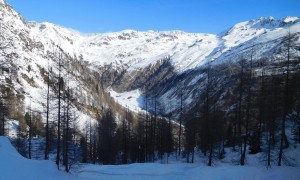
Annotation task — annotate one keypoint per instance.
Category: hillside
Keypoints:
(144, 96)
(28, 57)
(130, 60)
(37, 169)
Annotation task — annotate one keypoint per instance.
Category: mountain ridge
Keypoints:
(117, 40)
(130, 60)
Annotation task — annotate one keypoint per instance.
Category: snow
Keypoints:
(135, 50)
(155, 171)
(178, 169)
(42, 169)
(12, 127)
(132, 100)
(131, 50)
(128, 50)
(32, 43)
(15, 167)
(290, 19)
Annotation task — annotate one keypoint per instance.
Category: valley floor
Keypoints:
(181, 171)
(15, 167)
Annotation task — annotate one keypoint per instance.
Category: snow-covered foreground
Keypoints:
(183, 171)
(15, 167)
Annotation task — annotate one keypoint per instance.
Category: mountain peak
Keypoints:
(289, 19)
(262, 23)
(271, 22)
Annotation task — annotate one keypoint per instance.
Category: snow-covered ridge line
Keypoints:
(131, 51)
(136, 50)
(139, 49)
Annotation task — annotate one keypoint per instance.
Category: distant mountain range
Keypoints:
(152, 63)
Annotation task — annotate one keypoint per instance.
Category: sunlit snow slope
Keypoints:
(136, 50)
(128, 60)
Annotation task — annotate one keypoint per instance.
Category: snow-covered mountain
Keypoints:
(27, 54)
(129, 61)
(136, 50)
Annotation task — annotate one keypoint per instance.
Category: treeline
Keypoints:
(242, 105)
(245, 105)
(132, 140)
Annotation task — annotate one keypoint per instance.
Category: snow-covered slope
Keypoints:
(26, 56)
(136, 50)
(131, 54)
(131, 49)
(128, 60)
(13, 166)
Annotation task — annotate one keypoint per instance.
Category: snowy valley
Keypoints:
(149, 104)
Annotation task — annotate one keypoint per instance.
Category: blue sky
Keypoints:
(98, 16)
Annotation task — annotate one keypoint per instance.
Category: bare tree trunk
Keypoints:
(240, 106)
(209, 139)
(180, 119)
(210, 155)
(261, 105)
(146, 133)
(58, 115)
(247, 112)
(269, 150)
(47, 144)
(67, 133)
(30, 132)
(3, 119)
(90, 142)
(283, 138)
(193, 154)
